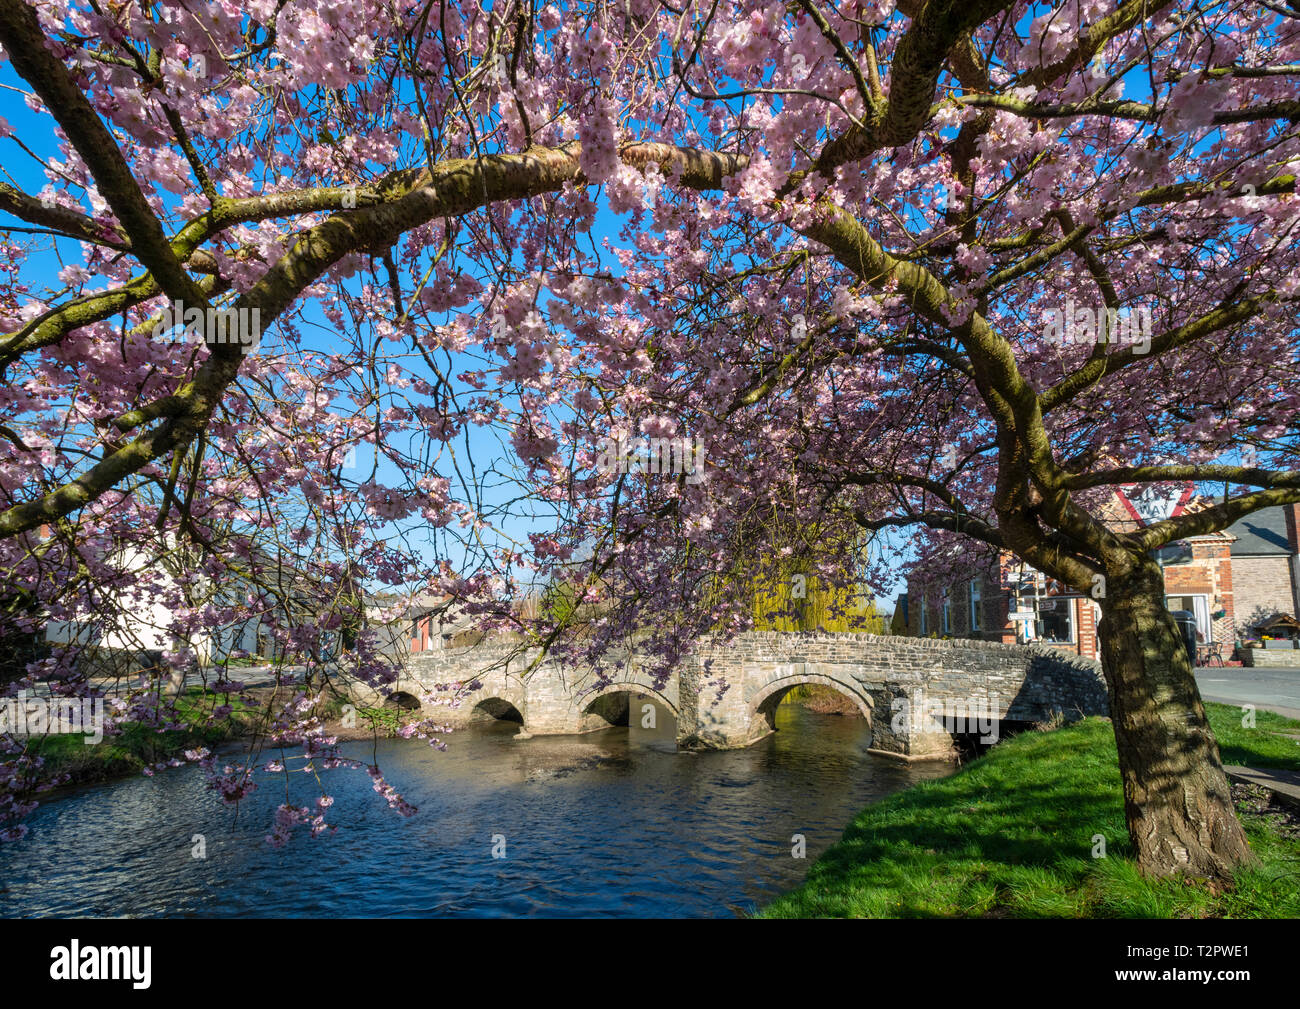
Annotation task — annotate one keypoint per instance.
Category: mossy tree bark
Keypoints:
(1176, 798)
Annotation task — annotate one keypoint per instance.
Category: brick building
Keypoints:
(1231, 581)
(1266, 565)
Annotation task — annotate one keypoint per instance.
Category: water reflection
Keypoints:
(609, 823)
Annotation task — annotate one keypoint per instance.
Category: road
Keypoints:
(1274, 689)
(249, 676)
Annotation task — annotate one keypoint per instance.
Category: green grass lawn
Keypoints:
(1012, 835)
(138, 746)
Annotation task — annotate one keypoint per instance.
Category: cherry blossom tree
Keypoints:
(955, 266)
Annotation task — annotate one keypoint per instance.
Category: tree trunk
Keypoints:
(1176, 799)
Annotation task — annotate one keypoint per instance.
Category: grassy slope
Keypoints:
(1012, 835)
(138, 746)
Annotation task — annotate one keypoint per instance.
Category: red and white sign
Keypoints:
(1149, 503)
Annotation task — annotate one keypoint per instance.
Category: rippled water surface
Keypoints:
(610, 823)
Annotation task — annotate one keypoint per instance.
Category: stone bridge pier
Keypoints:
(916, 694)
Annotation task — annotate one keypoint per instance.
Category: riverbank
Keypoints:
(822, 700)
(140, 747)
(1014, 833)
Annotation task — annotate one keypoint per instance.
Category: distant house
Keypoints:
(422, 622)
(1266, 565)
(137, 621)
(1230, 581)
(134, 627)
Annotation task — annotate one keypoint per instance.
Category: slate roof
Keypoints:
(1260, 533)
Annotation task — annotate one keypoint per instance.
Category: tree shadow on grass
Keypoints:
(1039, 826)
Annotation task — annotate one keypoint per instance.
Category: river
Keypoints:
(613, 823)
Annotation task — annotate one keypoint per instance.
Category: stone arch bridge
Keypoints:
(916, 693)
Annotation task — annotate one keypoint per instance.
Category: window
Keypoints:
(975, 604)
(925, 616)
(1056, 621)
(947, 612)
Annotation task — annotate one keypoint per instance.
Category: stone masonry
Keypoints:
(725, 694)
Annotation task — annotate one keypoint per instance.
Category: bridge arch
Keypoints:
(404, 700)
(590, 704)
(766, 699)
(498, 708)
